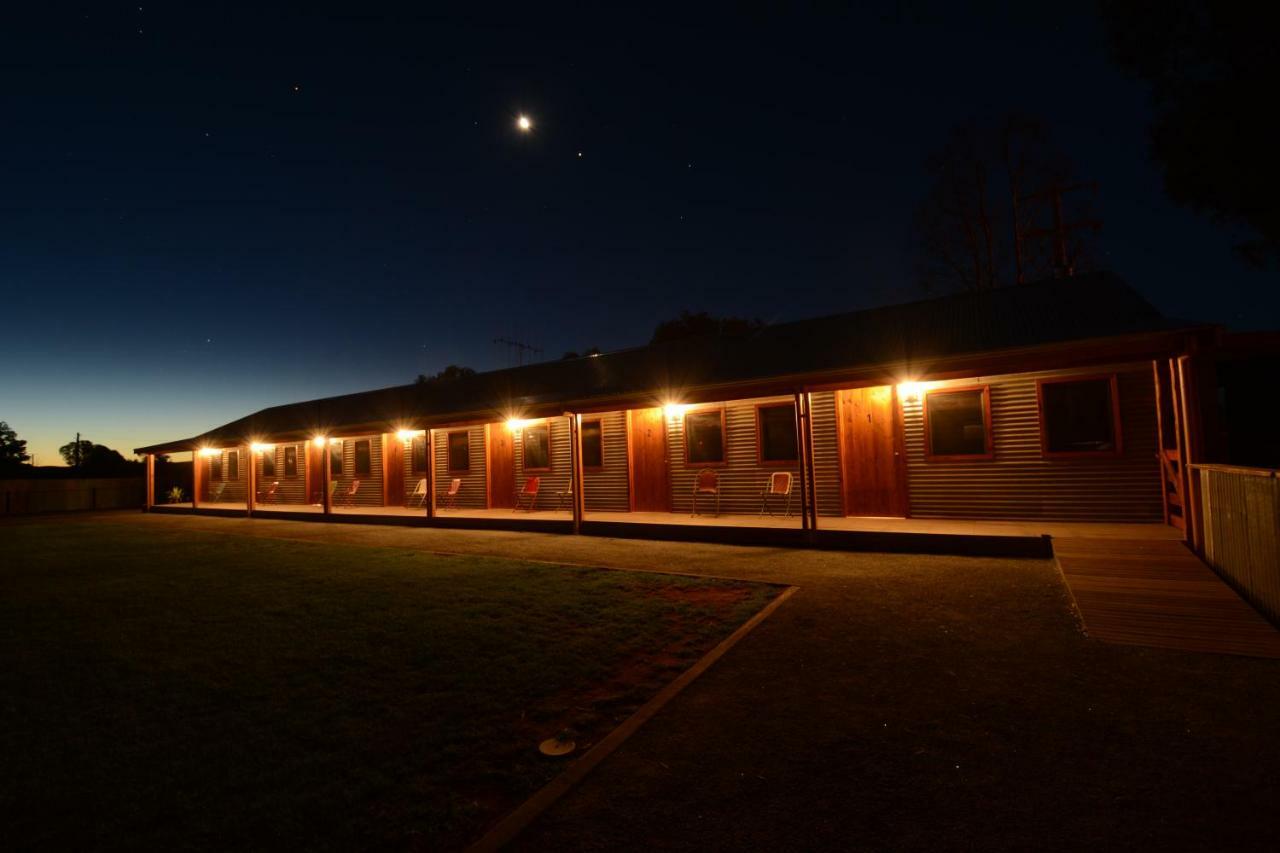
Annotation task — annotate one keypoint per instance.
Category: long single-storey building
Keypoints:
(1069, 401)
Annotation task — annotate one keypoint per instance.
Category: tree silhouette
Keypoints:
(75, 453)
(449, 374)
(1211, 67)
(13, 450)
(702, 324)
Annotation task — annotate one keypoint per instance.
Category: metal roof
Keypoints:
(927, 332)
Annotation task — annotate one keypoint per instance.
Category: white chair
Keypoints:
(420, 493)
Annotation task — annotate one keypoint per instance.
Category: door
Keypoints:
(871, 464)
(647, 447)
(501, 465)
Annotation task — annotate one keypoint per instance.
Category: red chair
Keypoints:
(707, 483)
(529, 493)
(269, 494)
(777, 486)
(450, 498)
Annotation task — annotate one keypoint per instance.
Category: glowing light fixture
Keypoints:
(209, 451)
(516, 424)
(261, 448)
(910, 391)
(318, 441)
(406, 434)
(674, 410)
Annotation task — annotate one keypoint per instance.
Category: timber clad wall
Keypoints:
(370, 492)
(234, 491)
(292, 489)
(1019, 483)
(826, 454)
(606, 490)
(557, 479)
(474, 493)
(742, 477)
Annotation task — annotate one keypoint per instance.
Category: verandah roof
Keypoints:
(919, 336)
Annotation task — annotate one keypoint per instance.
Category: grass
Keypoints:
(175, 689)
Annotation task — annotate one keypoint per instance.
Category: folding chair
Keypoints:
(528, 492)
(565, 496)
(707, 483)
(777, 486)
(420, 493)
(350, 494)
(269, 495)
(450, 497)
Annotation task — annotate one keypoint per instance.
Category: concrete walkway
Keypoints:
(904, 703)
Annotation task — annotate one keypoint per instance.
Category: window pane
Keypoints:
(1078, 416)
(592, 444)
(537, 446)
(778, 433)
(704, 437)
(335, 459)
(419, 453)
(233, 465)
(291, 461)
(215, 469)
(956, 423)
(363, 466)
(269, 462)
(459, 451)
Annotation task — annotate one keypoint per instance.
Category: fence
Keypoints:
(1240, 511)
(24, 497)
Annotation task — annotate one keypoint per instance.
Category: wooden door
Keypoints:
(501, 465)
(392, 470)
(647, 451)
(315, 473)
(871, 462)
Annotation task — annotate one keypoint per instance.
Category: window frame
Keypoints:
(776, 463)
(233, 471)
(341, 447)
(598, 421)
(1113, 381)
(413, 454)
(269, 455)
(294, 449)
(524, 444)
(988, 441)
(448, 451)
(217, 472)
(355, 458)
(724, 437)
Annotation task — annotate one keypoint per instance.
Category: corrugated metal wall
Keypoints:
(606, 490)
(826, 454)
(370, 492)
(557, 479)
(1019, 483)
(412, 477)
(235, 490)
(742, 477)
(474, 492)
(292, 489)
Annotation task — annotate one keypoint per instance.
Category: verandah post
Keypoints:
(802, 420)
(431, 475)
(251, 480)
(326, 494)
(197, 461)
(149, 496)
(575, 467)
(808, 461)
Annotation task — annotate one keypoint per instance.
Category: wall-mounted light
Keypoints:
(516, 424)
(261, 448)
(209, 451)
(674, 410)
(407, 434)
(319, 441)
(909, 392)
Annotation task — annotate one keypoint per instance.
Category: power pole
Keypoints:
(1063, 263)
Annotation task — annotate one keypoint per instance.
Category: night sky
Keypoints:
(208, 211)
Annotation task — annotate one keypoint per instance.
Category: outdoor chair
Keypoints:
(350, 494)
(777, 486)
(268, 495)
(420, 493)
(450, 498)
(333, 490)
(707, 483)
(528, 494)
(215, 494)
(565, 496)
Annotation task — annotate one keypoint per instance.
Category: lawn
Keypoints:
(166, 689)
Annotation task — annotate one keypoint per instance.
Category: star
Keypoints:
(579, 153)
(524, 123)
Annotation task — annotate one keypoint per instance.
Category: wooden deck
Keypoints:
(1152, 592)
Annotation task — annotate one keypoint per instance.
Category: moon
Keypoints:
(524, 123)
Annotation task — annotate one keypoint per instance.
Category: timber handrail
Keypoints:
(1234, 469)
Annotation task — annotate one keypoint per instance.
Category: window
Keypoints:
(704, 437)
(592, 435)
(459, 451)
(363, 465)
(215, 468)
(776, 428)
(335, 458)
(1079, 416)
(291, 461)
(269, 462)
(233, 464)
(537, 447)
(418, 453)
(957, 423)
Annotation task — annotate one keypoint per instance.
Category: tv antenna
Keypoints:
(517, 351)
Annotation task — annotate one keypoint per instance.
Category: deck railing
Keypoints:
(1240, 512)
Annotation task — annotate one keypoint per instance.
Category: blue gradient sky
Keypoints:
(185, 237)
